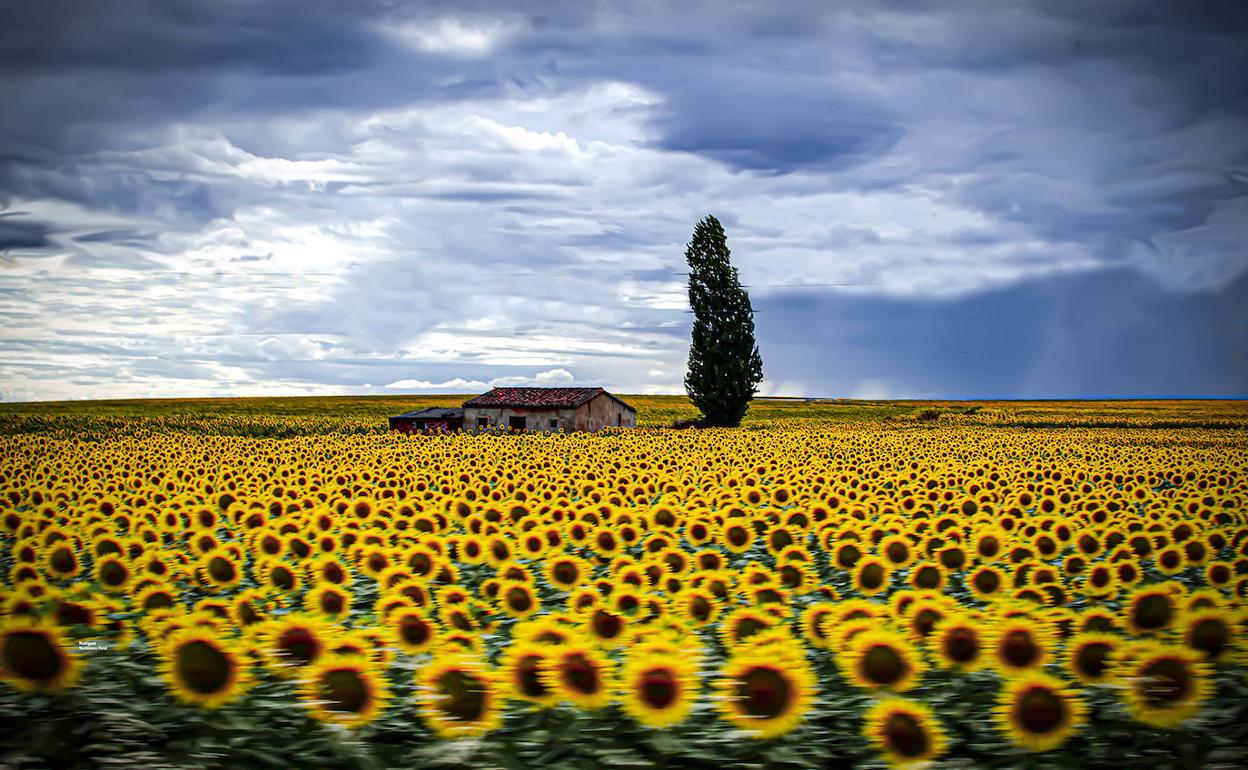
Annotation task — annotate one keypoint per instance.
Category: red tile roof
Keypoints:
(541, 398)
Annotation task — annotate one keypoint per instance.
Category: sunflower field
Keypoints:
(801, 594)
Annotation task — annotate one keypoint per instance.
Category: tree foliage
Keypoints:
(724, 364)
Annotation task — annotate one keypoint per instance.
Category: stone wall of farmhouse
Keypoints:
(602, 411)
(535, 419)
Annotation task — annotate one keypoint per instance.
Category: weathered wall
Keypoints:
(602, 411)
(536, 419)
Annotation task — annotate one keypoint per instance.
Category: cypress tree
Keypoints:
(724, 365)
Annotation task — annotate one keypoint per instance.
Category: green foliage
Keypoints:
(724, 365)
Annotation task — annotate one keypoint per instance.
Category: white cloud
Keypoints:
(457, 385)
(452, 36)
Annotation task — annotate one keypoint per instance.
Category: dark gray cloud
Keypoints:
(17, 233)
(316, 195)
(1099, 334)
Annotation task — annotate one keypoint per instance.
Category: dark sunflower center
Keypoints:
(927, 577)
(737, 536)
(528, 674)
(897, 553)
(221, 569)
(1040, 711)
(203, 668)
(565, 573)
(463, 697)
(519, 600)
(872, 576)
(925, 620)
(299, 644)
(247, 614)
(962, 645)
(1210, 636)
(987, 582)
(282, 578)
(71, 614)
(747, 627)
(905, 736)
(1165, 682)
(333, 573)
(1019, 649)
(581, 674)
(32, 655)
(848, 556)
(345, 690)
(331, 603)
(658, 688)
(700, 608)
(1153, 612)
(763, 693)
(882, 665)
(1092, 659)
(63, 561)
(113, 573)
(606, 625)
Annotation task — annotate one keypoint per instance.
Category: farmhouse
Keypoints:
(433, 420)
(547, 410)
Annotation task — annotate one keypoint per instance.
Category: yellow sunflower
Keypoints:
(581, 674)
(294, 641)
(1210, 631)
(1090, 655)
(458, 696)
(1165, 684)
(658, 690)
(36, 657)
(1037, 712)
(524, 665)
(959, 643)
(203, 668)
(1019, 643)
(881, 659)
(1151, 609)
(871, 575)
(764, 695)
(344, 690)
(906, 732)
(330, 600)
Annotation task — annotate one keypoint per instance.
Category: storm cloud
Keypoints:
(950, 199)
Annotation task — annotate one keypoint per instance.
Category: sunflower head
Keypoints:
(763, 695)
(203, 668)
(35, 657)
(294, 641)
(343, 690)
(458, 696)
(582, 675)
(658, 690)
(1151, 609)
(881, 659)
(524, 665)
(1037, 712)
(959, 643)
(1090, 656)
(1020, 643)
(905, 732)
(1166, 684)
(1210, 631)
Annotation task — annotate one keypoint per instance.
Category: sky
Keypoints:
(924, 199)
